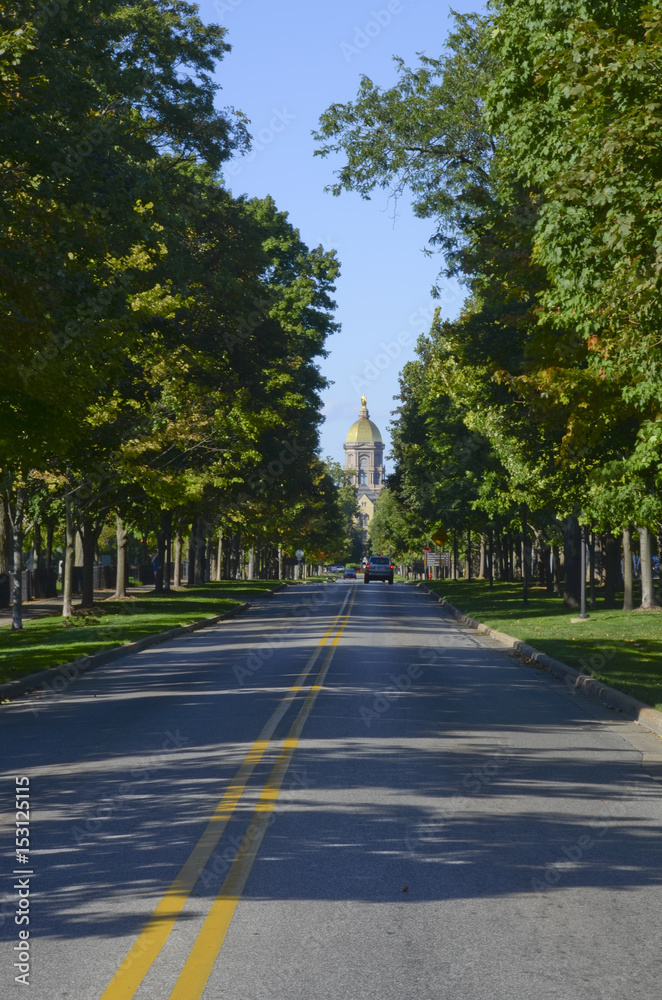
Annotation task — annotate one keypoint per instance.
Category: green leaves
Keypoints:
(581, 125)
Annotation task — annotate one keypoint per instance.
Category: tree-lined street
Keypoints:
(378, 801)
(230, 770)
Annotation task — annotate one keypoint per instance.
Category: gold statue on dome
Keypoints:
(364, 402)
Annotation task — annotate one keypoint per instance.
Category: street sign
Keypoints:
(426, 548)
(299, 554)
(440, 537)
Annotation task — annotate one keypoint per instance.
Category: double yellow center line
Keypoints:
(197, 969)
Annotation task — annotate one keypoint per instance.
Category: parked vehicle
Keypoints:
(378, 568)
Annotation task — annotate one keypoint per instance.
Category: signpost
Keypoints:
(299, 555)
(437, 559)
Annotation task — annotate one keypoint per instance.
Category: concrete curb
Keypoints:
(607, 696)
(56, 680)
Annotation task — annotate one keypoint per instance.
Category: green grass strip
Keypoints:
(49, 642)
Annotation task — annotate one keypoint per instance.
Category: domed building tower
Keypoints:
(364, 459)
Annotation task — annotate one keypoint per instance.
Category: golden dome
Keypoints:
(363, 430)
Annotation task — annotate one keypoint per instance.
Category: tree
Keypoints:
(574, 81)
(91, 93)
(351, 547)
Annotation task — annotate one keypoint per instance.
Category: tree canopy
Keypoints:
(530, 144)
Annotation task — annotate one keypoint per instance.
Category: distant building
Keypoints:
(364, 459)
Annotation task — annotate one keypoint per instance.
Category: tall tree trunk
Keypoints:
(5, 536)
(161, 545)
(548, 561)
(68, 568)
(628, 591)
(611, 550)
(219, 557)
(559, 570)
(481, 568)
(456, 555)
(36, 547)
(50, 530)
(251, 562)
(178, 555)
(526, 561)
(280, 562)
(168, 557)
(79, 556)
(648, 601)
(468, 560)
(90, 534)
(17, 534)
(592, 601)
(572, 556)
(122, 538)
(498, 556)
(209, 546)
(197, 553)
(191, 552)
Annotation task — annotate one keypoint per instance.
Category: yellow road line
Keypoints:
(150, 941)
(193, 978)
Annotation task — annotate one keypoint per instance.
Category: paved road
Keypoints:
(342, 795)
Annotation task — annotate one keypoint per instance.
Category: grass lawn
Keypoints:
(49, 642)
(619, 648)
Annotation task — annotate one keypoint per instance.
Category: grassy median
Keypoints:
(619, 648)
(49, 642)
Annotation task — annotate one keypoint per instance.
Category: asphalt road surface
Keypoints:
(341, 795)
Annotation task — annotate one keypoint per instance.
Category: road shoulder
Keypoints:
(607, 696)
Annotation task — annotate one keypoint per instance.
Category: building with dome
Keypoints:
(364, 459)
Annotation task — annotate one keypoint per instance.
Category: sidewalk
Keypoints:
(46, 606)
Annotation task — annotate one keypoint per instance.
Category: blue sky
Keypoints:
(290, 60)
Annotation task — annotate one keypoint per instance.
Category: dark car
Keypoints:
(349, 574)
(378, 568)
